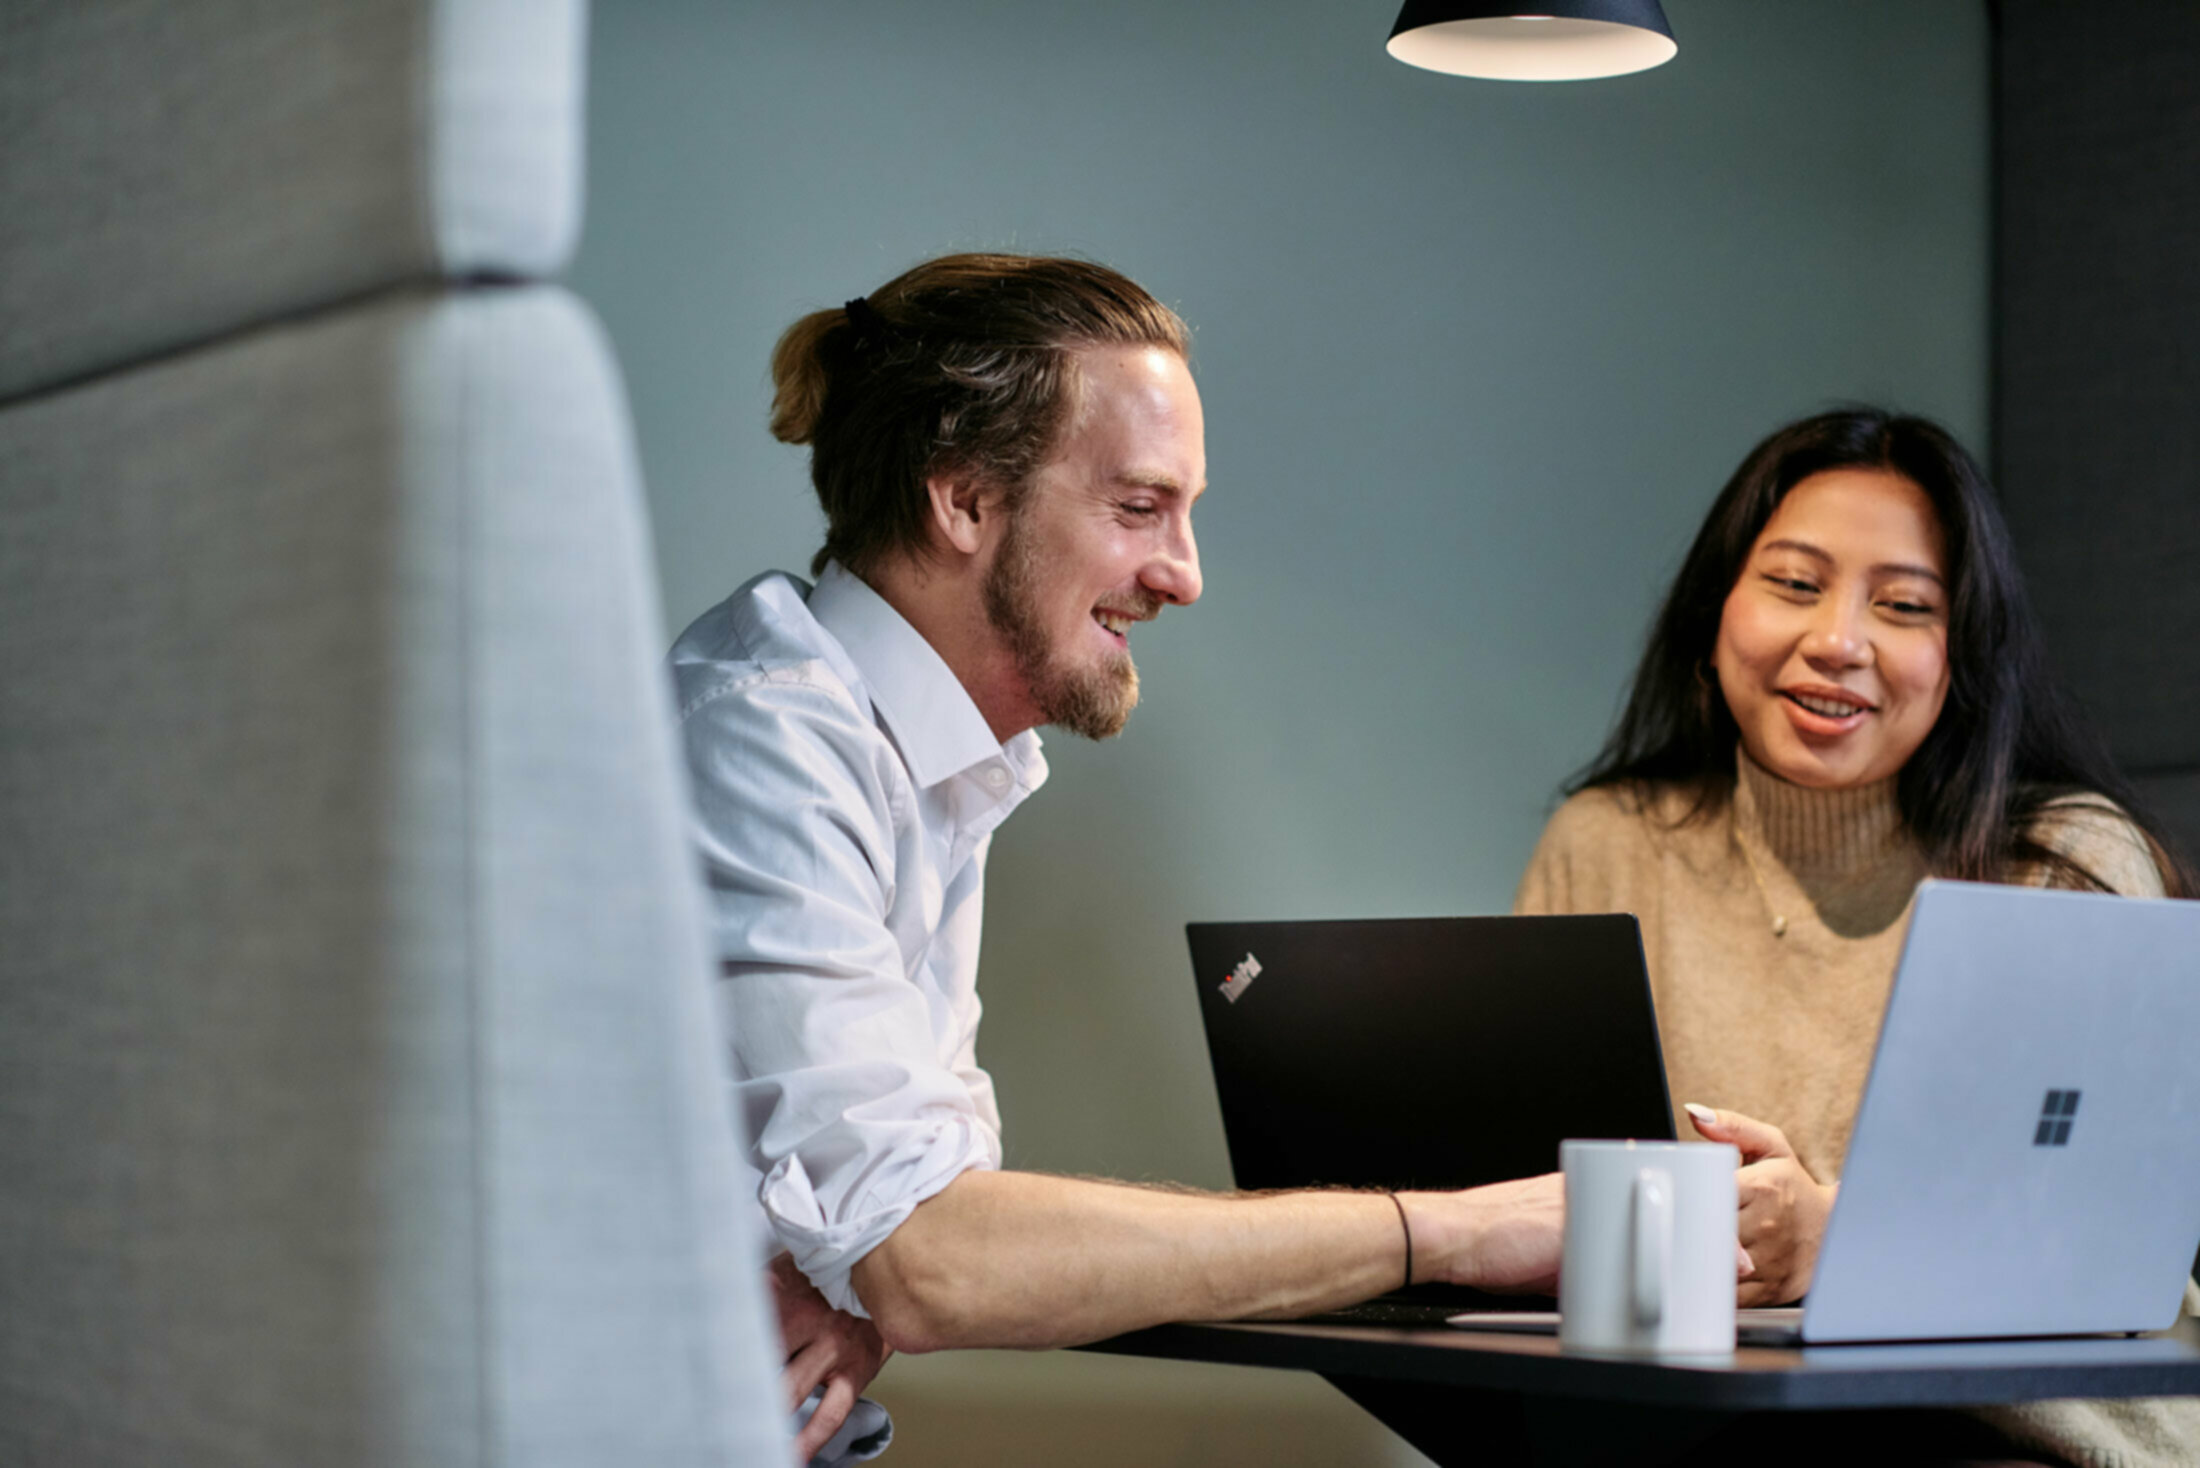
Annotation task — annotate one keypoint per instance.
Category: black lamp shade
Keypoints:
(1533, 40)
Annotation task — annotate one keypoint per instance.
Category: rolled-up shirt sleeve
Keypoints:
(855, 1112)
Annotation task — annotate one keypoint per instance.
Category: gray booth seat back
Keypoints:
(359, 1073)
(176, 172)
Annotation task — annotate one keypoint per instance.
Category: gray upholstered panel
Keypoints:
(359, 1096)
(174, 171)
(2097, 376)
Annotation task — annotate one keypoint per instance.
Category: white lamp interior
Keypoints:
(1533, 48)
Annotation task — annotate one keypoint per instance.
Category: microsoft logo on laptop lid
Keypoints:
(2055, 1114)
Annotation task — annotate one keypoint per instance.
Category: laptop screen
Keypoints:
(1426, 1052)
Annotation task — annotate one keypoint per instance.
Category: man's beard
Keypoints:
(1093, 700)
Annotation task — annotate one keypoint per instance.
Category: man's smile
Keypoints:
(1116, 621)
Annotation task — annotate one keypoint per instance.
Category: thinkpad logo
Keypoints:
(1248, 969)
(2056, 1113)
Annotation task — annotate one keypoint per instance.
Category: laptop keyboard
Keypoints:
(1428, 1306)
(1386, 1312)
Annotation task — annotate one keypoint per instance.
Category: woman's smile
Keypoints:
(1826, 711)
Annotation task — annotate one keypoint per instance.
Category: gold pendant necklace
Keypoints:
(1764, 894)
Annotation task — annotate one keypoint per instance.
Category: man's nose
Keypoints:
(1173, 575)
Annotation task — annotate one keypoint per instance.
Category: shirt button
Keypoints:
(996, 778)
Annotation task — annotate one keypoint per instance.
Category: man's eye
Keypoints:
(1139, 509)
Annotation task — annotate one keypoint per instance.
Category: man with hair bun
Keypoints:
(1008, 450)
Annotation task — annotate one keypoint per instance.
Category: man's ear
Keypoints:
(963, 511)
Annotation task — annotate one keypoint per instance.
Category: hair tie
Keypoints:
(1408, 1232)
(864, 320)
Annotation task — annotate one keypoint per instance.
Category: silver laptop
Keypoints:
(2026, 1160)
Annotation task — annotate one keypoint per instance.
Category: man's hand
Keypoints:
(1506, 1237)
(823, 1345)
(1783, 1208)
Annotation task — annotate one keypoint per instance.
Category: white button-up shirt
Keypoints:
(846, 789)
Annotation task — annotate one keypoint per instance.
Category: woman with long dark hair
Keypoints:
(1843, 693)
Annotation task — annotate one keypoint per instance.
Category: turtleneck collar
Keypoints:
(1820, 835)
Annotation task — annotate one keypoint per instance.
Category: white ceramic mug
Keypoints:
(1649, 1264)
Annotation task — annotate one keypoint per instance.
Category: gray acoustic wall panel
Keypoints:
(360, 1095)
(169, 172)
(2174, 796)
(2097, 367)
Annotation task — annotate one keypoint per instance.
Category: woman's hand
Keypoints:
(1783, 1208)
(824, 1345)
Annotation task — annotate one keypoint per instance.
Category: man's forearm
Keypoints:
(1027, 1260)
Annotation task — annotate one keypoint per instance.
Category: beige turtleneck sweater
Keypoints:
(1771, 925)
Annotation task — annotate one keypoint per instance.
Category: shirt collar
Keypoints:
(932, 716)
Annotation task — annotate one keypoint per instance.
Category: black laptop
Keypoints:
(1426, 1053)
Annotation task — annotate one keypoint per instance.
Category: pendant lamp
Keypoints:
(1559, 42)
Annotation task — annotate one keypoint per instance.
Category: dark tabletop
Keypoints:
(1752, 1379)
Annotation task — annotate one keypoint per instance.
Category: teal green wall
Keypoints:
(1475, 357)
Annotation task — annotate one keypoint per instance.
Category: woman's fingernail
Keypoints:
(1749, 1265)
(1701, 1114)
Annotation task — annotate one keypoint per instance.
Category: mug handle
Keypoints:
(1652, 1230)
